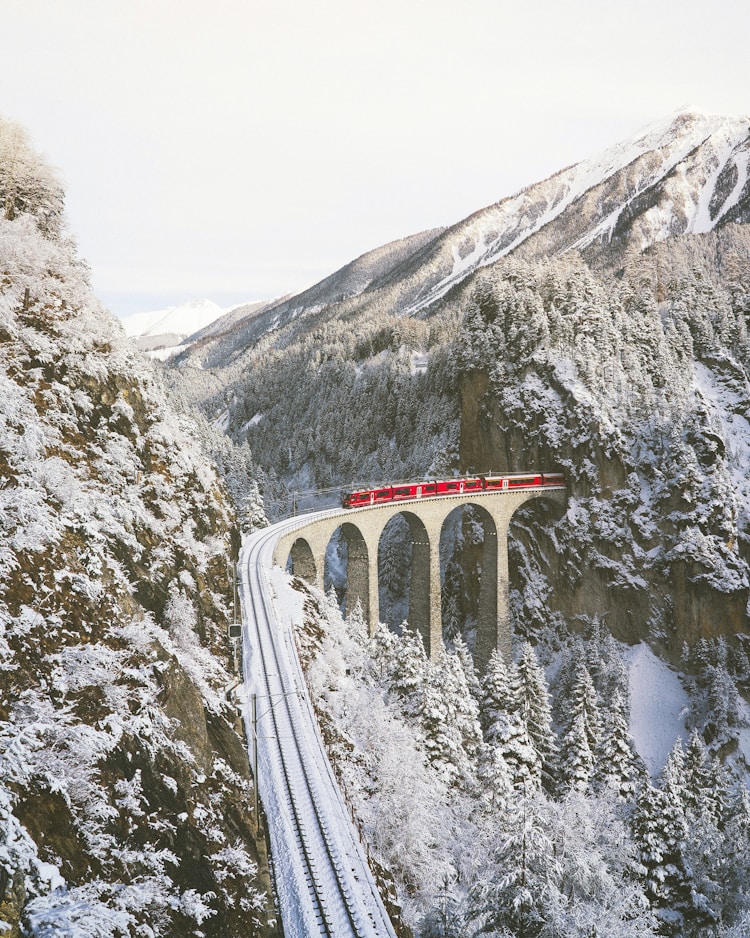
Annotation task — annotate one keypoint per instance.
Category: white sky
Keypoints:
(238, 149)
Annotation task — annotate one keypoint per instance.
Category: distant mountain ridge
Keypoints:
(688, 174)
(166, 329)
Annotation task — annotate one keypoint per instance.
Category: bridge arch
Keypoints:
(302, 561)
(530, 547)
(419, 562)
(486, 636)
(357, 570)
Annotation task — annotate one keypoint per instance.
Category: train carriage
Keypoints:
(407, 491)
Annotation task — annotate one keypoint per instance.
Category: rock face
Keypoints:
(643, 407)
(125, 797)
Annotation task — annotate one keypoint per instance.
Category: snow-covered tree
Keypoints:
(252, 513)
(498, 702)
(28, 185)
(409, 668)
(583, 732)
(618, 766)
(659, 830)
(516, 900)
(503, 725)
(536, 713)
(449, 716)
(577, 760)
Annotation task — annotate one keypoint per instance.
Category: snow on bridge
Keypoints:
(323, 883)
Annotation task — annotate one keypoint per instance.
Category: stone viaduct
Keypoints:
(362, 528)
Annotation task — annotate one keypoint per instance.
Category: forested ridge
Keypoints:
(515, 803)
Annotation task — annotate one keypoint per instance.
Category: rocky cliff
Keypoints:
(643, 404)
(125, 797)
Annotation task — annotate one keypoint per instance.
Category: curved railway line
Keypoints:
(323, 883)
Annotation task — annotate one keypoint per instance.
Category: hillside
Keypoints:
(124, 787)
(687, 175)
(595, 322)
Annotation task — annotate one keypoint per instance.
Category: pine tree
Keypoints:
(504, 727)
(583, 732)
(577, 760)
(473, 680)
(384, 648)
(498, 700)
(659, 830)
(517, 901)
(450, 718)
(618, 766)
(409, 670)
(494, 778)
(735, 868)
(723, 706)
(453, 614)
(709, 784)
(673, 777)
(536, 713)
(519, 752)
(252, 514)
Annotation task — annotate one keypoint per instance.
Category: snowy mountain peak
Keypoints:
(685, 175)
(182, 320)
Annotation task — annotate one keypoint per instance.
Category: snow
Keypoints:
(182, 320)
(658, 705)
(498, 230)
(164, 354)
(222, 421)
(252, 422)
(728, 402)
(418, 362)
(295, 776)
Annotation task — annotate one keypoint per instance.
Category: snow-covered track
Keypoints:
(323, 883)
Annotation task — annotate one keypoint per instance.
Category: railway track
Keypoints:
(323, 884)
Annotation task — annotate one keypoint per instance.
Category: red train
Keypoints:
(412, 490)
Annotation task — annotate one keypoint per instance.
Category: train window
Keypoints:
(383, 493)
(452, 486)
(471, 484)
(522, 480)
(402, 492)
(429, 489)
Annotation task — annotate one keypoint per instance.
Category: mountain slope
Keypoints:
(124, 786)
(557, 357)
(686, 175)
(361, 276)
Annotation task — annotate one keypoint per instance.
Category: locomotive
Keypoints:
(413, 490)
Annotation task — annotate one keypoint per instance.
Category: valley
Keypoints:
(592, 777)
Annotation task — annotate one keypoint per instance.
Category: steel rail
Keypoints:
(337, 896)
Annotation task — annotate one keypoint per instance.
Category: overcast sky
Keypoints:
(235, 149)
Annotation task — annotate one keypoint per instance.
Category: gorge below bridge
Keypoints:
(306, 545)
